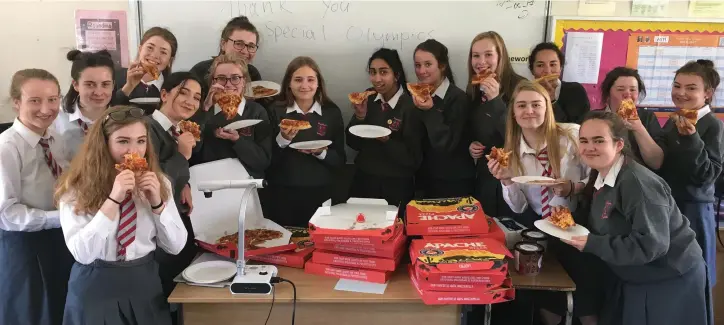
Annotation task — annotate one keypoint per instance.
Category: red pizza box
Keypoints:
(388, 250)
(298, 239)
(357, 261)
(295, 258)
(495, 232)
(452, 216)
(347, 272)
(459, 260)
(430, 275)
(479, 297)
(367, 222)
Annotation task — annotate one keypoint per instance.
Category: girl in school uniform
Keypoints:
(158, 47)
(625, 83)
(180, 98)
(89, 95)
(385, 167)
(489, 102)
(542, 147)
(300, 180)
(35, 263)
(570, 100)
(252, 145)
(693, 159)
(659, 275)
(113, 221)
(447, 168)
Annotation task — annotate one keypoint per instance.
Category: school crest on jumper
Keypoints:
(246, 132)
(606, 209)
(394, 124)
(321, 129)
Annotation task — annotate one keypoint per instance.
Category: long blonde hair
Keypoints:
(551, 130)
(507, 77)
(230, 58)
(92, 172)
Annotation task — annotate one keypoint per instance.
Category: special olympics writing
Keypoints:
(278, 32)
(335, 6)
(387, 38)
(260, 8)
(519, 6)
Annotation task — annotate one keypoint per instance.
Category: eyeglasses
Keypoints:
(222, 80)
(240, 45)
(122, 115)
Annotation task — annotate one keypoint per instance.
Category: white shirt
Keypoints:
(158, 82)
(520, 196)
(442, 89)
(393, 101)
(702, 111)
(69, 131)
(316, 108)
(26, 182)
(93, 237)
(163, 120)
(558, 90)
(239, 111)
(610, 179)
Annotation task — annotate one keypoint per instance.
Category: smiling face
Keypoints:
(484, 56)
(689, 92)
(181, 102)
(230, 76)
(156, 51)
(239, 42)
(38, 105)
(304, 84)
(529, 109)
(623, 88)
(95, 88)
(382, 77)
(427, 68)
(596, 145)
(131, 138)
(546, 63)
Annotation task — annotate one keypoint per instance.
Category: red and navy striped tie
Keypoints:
(545, 193)
(83, 126)
(54, 167)
(126, 226)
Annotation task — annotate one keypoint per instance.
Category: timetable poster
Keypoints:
(103, 30)
(657, 56)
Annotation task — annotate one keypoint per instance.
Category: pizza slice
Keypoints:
(627, 110)
(295, 124)
(191, 127)
(133, 162)
(562, 218)
(359, 98)
(421, 91)
(228, 102)
(548, 78)
(692, 115)
(261, 91)
(499, 155)
(151, 70)
(485, 74)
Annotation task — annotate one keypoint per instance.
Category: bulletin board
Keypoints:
(656, 47)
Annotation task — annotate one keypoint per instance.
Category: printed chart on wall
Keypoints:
(103, 30)
(657, 56)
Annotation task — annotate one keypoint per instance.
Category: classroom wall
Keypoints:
(677, 8)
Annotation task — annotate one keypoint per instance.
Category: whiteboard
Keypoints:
(341, 35)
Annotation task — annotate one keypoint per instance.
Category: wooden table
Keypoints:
(551, 278)
(317, 303)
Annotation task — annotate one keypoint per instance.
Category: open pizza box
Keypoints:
(218, 216)
(360, 221)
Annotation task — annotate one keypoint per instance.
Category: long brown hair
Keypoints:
(167, 36)
(92, 173)
(551, 130)
(287, 97)
(234, 59)
(507, 77)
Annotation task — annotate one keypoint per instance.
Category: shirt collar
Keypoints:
(526, 149)
(393, 101)
(610, 179)
(702, 111)
(442, 90)
(558, 89)
(158, 82)
(162, 119)
(316, 108)
(239, 111)
(27, 134)
(78, 115)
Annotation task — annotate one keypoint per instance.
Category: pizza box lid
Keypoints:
(343, 219)
(459, 254)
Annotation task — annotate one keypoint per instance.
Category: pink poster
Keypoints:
(97, 30)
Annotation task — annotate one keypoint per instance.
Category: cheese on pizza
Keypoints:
(295, 124)
(261, 91)
(498, 154)
(133, 162)
(190, 127)
(252, 237)
(562, 218)
(359, 98)
(690, 114)
(151, 70)
(547, 78)
(420, 90)
(229, 103)
(627, 110)
(485, 74)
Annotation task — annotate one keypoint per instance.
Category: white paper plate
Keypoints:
(553, 230)
(533, 180)
(209, 272)
(369, 131)
(241, 124)
(310, 145)
(266, 84)
(146, 100)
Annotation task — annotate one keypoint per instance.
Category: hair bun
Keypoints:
(705, 63)
(241, 19)
(73, 55)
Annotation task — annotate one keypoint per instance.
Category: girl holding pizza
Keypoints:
(489, 100)
(88, 96)
(385, 167)
(623, 83)
(300, 179)
(447, 168)
(35, 262)
(113, 221)
(694, 148)
(252, 144)
(539, 146)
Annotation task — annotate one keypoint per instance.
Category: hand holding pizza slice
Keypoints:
(421, 93)
(499, 155)
(485, 74)
(151, 70)
(228, 102)
(133, 162)
(690, 115)
(360, 97)
(627, 110)
(190, 127)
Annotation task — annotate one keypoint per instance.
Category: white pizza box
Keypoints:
(340, 224)
(218, 216)
(512, 230)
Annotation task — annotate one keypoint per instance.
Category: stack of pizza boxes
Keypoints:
(295, 257)
(460, 256)
(361, 239)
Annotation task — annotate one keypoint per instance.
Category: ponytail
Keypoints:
(82, 61)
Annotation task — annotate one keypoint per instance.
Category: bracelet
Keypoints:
(114, 201)
(157, 206)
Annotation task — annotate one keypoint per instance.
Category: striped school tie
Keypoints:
(174, 132)
(126, 226)
(52, 164)
(386, 107)
(545, 193)
(83, 126)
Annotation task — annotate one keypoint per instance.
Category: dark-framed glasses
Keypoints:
(240, 45)
(234, 79)
(122, 115)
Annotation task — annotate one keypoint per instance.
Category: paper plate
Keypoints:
(553, 230)
(241, 124)
(536, 180)
(266, 84)
(369, 131)
(146, 100)
(310, 145)
(209, 272)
